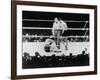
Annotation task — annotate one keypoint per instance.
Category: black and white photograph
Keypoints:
(52, 40)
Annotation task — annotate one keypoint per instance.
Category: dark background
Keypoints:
(51, 16)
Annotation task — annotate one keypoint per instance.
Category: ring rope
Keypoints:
(86, 30)
(51, 28)
(51, 20)
(25, 36)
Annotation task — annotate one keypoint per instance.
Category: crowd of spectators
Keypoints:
(39, 61)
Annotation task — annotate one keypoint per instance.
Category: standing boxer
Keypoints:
(58, 29)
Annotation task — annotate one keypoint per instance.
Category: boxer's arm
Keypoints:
(53, 28)
(64, 26)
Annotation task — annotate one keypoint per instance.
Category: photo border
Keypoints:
(14, 39)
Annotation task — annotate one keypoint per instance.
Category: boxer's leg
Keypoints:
(58, 39)
(55, 36)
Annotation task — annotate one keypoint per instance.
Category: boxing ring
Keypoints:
(73, 47)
